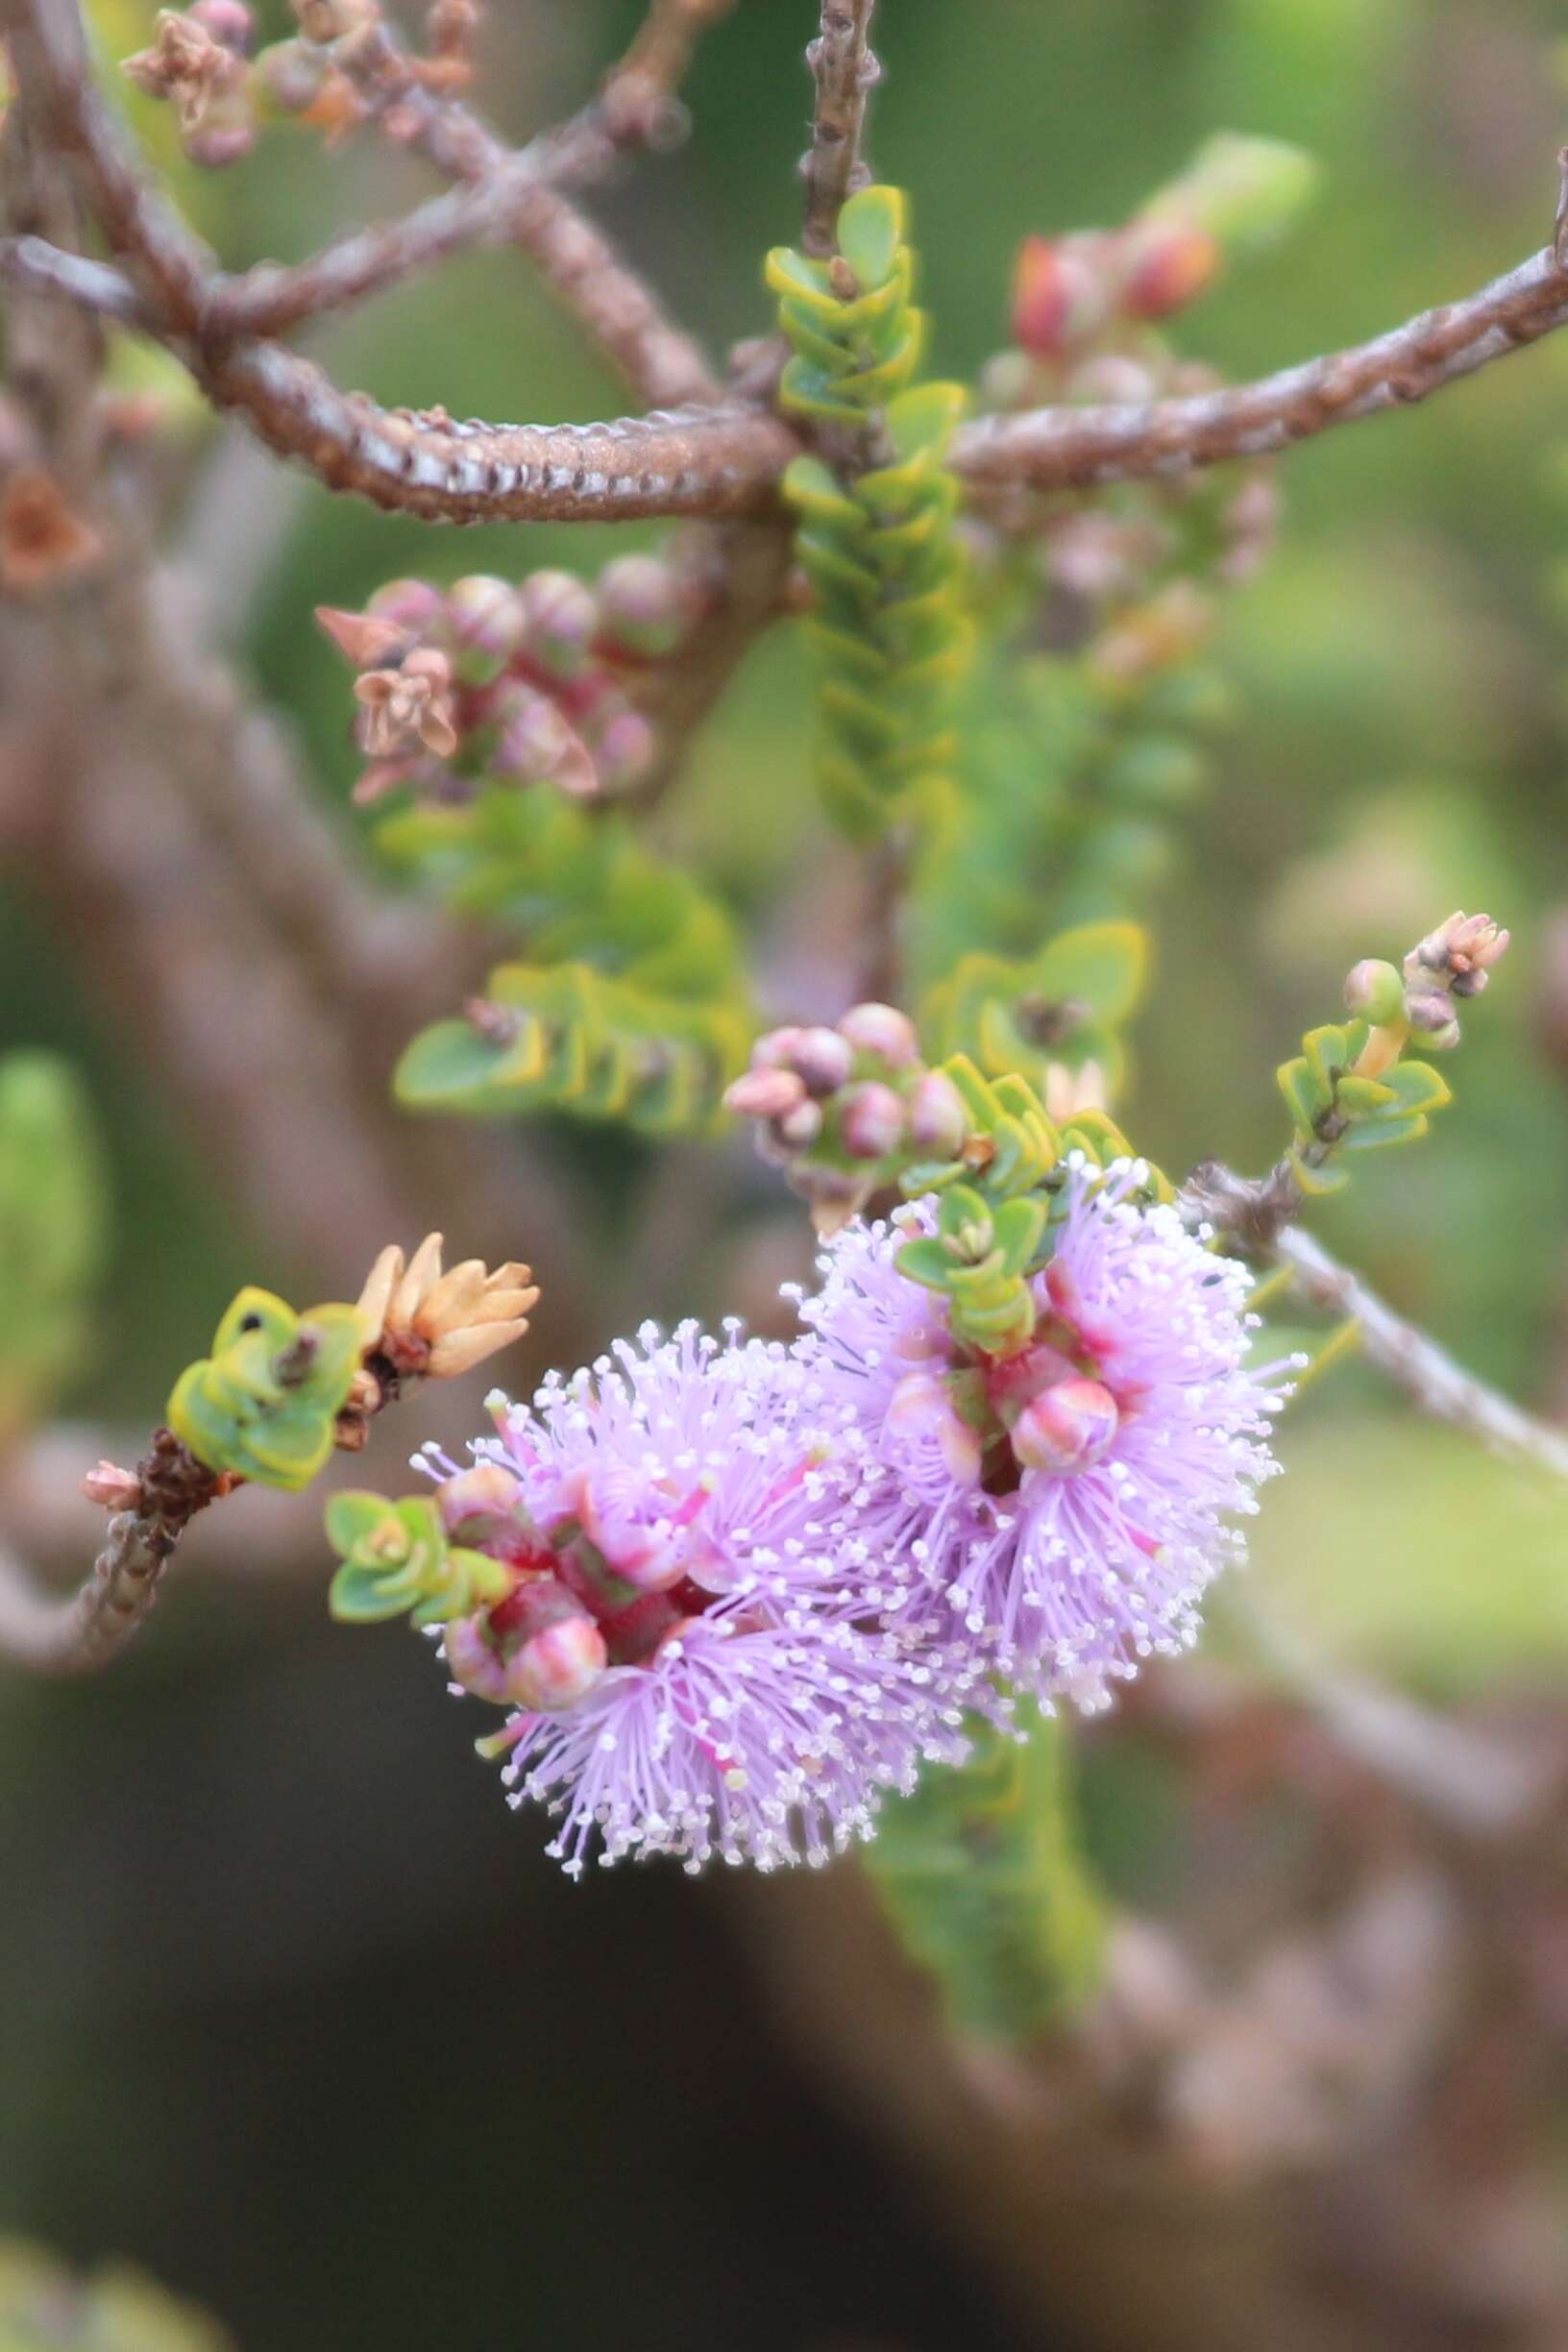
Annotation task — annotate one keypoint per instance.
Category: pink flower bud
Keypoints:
(112, 1488)
(776, 1048)
(1058, 296)
(1164, 264)
(561, 620)
(229, 21)
(484, 625)
(369, 640)
(798, 1129)
(1065, 1427)
(1430, 1015)
(624, 750)
(643, 606)
(473, 1504)
(765, 1095)
(871, 1121)
(559, 1666)
(938, 1121)
(920, 1412)
(884, 1031)
(412, 604)
(1375, 990)
(821, 1059)
(474, 1659)
(535, 738)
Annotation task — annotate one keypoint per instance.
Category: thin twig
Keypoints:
(845, 73)
(605, 296)
(82, 1631)
(1054, 448)
(1415, 1363)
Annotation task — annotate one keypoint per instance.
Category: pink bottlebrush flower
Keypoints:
(1064, 1507)
(704, 1510)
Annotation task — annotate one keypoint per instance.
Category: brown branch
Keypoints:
(81, 1633)
(1058, 448)
(578, 262)
(1415, 1363)
(54, 72)
(845, 73)
(721, 460)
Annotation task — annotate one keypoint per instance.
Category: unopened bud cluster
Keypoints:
(332, 76)
(1450, 965)
(843, 1109)
(488, 682)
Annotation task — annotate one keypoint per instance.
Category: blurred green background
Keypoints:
(291, 2010)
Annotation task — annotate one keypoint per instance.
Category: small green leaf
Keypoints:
(870, 230)
(1304, 1097)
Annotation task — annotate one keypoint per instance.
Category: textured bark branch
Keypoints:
(86, 1630)
(845, 73)
(615, 306)
(54, 71)
(1415, 1363)
(1059, 447)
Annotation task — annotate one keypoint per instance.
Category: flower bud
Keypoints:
(1065, 1427)
(112, 1488)
(560, 617)
(412, 604)
(643, 610)
(1164, 264)
(821, 1058)
(871, 1121)
(484, 625)
(558, 1667)
(1375, 990)
(920, 1410)
(938, 1121)
(474, 1660)
(229, 21)
(535, 737)
(473, 1504)
(1058, 296)
(227, 135)
(884, 1031)
(624, 750)
(765, 1093)
(798, 1129)
(1430, 1015)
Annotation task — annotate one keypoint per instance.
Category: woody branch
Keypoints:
(722, 460)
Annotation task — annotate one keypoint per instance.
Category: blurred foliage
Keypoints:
(53, 1232)
(44, 2309)
(634, 1003)
(979, 1870)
